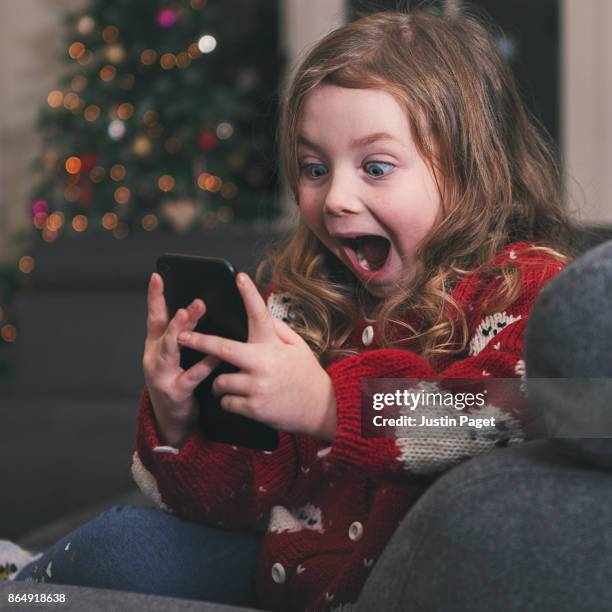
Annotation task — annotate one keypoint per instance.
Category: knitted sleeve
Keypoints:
(211, 482)
(495, 350)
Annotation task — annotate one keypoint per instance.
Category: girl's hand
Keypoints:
(280, 382)
(171, 387)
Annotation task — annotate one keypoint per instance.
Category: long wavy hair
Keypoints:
(497, 178)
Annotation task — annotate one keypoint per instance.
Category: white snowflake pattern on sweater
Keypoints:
(146, 482)
(427, 450)
(281, 306)
(296, 519)
(488, 328)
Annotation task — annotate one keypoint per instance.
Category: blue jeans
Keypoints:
(151, 551)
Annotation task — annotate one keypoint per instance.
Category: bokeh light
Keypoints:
(91, 112)
(110, 33)
(165, 182)
(79, 223)
(109, 221)
(97, 174)
(148, 57)
(122, 195)
(117, 172)
(207, 43)
(167, 61)
(107, 73)
(55, 99)
(73, 165)
(125, 111)
(49, 235)
(116, 129)
(149, 222)
(55, 221)
(26, 264)
(8, 332)
(85, 25)
(76, 50)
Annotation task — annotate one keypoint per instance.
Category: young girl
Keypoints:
(430, 219)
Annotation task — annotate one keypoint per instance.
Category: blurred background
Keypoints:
(129, 128)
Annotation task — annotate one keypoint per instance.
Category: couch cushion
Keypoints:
(569, 336)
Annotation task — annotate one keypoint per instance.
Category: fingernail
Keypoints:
(183, 336)
(242, 279)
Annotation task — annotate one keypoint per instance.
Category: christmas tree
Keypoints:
(164, 118)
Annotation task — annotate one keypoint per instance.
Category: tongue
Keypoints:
(375, 249)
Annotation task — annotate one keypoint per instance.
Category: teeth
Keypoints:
(363, 262)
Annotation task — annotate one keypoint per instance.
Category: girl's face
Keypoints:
(361, 176)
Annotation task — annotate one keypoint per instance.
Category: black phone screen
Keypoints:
(213, 280)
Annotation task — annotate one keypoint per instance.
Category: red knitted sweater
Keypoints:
(329, 510)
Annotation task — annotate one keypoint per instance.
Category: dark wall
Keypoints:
(529, 38)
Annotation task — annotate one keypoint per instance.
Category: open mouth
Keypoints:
(371, 251)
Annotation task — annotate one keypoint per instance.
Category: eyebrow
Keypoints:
(358, 142)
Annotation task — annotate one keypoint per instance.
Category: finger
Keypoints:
(169, 345)
(195, 310)
(235, 384)
(184, 319)
(261, 328)
(157, 311)
(191, 378)
(241, 354)
(285, 333)
(236, 404)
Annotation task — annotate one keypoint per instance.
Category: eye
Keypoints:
(377, 168)
(313, 171)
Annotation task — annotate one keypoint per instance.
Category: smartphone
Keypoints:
(213, 280)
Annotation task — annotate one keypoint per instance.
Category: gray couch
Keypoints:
(525, 528)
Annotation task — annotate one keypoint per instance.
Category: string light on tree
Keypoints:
(26, 264)
(149, 222)
(122, 195)
(166, 183)
(73, 165)
(138, 81)
(116, 129)
(86, 25)
(115, 53)
(141, 146)
(224, 130)
(110, 33)
(55, 99)
(207, 43)
(76, 50)
(91, 113)
(117, 172)
(166, 18)
(109, 221)
(8, 332)
(79, 223)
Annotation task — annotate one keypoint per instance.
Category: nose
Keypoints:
(341, 198)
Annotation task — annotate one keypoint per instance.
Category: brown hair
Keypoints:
(499, 183)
